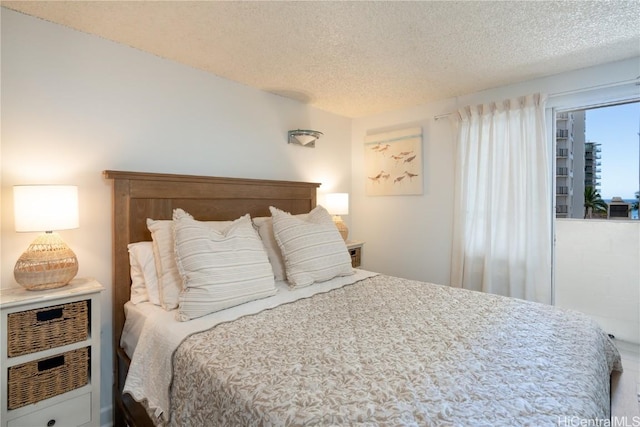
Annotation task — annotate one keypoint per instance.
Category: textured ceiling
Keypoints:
(365, 57)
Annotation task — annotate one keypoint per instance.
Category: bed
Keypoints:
(361, 349)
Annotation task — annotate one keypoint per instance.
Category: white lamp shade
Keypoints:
(337, 203)
(45, 207)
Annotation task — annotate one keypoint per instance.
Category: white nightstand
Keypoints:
(50, 355)
(355, 250)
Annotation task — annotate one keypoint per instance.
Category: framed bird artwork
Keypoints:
(393, 163)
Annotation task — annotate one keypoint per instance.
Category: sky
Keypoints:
(616, 128)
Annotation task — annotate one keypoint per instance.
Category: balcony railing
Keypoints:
(562, 209)
(562, 133)
(592, 148)
(578, 263)
(562, 190)
(563, 152)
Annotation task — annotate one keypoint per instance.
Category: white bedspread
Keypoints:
(395, 352)
(150, 374)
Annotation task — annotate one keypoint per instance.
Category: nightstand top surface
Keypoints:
(78, 286)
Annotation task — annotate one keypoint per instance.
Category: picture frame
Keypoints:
(393, 163)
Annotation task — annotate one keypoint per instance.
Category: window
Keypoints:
(598, 148)
(619, 211)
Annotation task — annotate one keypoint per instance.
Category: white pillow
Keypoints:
(312, 248)
(169, 280)
(144, 279)
(264, 225)
(219, 269)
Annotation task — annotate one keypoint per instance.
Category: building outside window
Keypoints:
(579, 161)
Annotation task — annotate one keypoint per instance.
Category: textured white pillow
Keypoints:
(219, 269)
(169, 280)
(312, 248)
(138, 288)
(264, 225)
(144, 279)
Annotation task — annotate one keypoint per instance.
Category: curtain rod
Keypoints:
(569, 92)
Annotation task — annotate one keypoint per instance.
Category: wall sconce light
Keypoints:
(338, 204)
(304, 137)
(48, 262)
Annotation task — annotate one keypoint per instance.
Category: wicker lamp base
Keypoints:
(341, 226)
(47, 263)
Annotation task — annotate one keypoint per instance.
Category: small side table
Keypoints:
(355, 250)
(50, 355)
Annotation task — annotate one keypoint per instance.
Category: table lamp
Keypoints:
(338, 204)
(48, 262)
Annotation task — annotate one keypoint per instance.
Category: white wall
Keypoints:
(410, 236)
(74, 105)
(598, 272)
(407, 236)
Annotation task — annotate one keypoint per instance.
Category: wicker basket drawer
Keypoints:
(355, 257)
(41, 379)
(48, 327)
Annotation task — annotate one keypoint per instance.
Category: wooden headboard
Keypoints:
(138, 196)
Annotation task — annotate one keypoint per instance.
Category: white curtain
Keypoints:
(502, 213)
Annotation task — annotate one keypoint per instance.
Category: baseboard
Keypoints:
(106, 416)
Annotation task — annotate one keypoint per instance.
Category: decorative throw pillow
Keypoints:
(144, 279)
(312, 248)
(169, 280)
(219, 269)
(264, 225)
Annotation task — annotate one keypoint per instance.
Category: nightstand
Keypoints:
(355, 250)
(50, 355)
